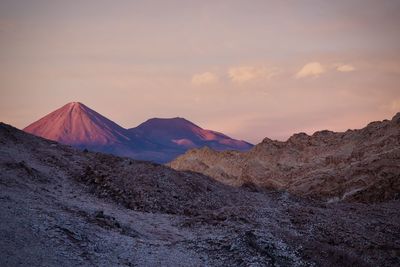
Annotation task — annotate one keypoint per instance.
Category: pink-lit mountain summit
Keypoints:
(158, 140)
(76, 124)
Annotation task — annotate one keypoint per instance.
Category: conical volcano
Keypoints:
(76, 124)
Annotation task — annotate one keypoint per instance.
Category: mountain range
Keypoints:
(158, 140)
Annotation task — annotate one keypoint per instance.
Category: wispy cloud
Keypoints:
(204, 78)
(312, 69)
(247, 73)
(345, 68)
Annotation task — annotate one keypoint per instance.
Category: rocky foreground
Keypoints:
(63, 207)
(356, 165)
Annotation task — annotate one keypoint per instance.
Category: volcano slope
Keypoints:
(356, 165)
(63, 207)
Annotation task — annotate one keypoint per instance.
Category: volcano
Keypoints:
(181, 133)
(157, 140)
(76, 124)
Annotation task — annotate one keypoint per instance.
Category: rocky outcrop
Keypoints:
(361, 165)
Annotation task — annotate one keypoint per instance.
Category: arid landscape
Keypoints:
(200, 133)
(65, 207)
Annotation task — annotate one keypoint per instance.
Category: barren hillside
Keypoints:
(360, 165)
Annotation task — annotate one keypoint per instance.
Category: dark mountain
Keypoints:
(182, 134)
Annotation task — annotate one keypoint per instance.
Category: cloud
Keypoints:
(204, 78)
(247, 73)
(345, 68)
(313, 69)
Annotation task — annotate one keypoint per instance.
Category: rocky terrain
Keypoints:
(356, 165)
(64, 207)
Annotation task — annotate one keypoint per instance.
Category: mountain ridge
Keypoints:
(157, 139)
(181, 131)
(359, 164)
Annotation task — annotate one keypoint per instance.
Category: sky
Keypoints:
(250, 69)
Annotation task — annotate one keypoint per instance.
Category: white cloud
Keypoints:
(204, 78)
(345, 68)
(247, 73)
(313, 69)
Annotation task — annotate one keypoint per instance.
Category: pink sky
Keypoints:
(250, 69)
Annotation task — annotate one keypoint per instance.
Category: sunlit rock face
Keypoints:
(362, 165)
